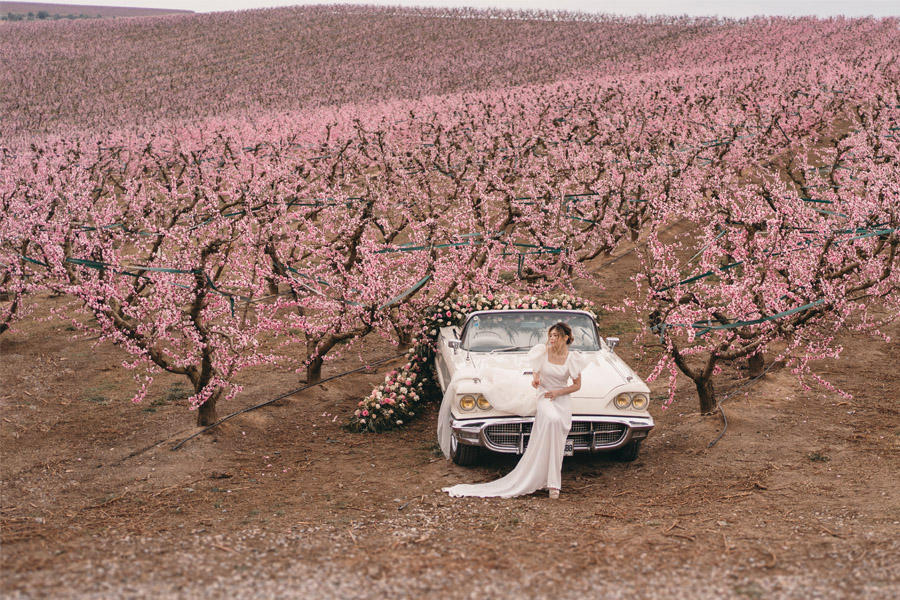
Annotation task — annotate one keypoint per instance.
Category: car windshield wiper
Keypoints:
(510, 349)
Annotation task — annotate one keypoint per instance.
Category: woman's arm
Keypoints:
(576, 385)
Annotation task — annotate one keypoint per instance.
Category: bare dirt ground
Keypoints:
(799, 498)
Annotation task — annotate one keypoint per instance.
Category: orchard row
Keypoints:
(207, 249)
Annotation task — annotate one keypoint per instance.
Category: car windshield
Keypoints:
(520, 330)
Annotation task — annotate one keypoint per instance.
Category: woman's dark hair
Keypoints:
(563, 329)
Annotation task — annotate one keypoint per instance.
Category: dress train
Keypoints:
(541, 464)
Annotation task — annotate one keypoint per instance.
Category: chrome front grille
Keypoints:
(508, 436)
(580, 427)
(505, 428)
(506, 440)
(513, 437)
(608, 434)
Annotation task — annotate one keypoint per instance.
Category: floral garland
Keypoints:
(394, 402)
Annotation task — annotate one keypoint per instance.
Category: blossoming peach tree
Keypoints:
(780, 266)
(395, 401)
(203, 249)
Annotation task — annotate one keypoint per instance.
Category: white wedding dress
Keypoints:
(541, 465)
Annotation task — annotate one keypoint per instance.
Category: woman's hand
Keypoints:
(536, 381)
(552, 394)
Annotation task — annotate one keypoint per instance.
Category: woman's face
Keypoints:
(556, 339)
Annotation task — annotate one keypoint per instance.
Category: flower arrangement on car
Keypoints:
(393, 403)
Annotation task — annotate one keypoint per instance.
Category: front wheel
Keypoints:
(464, 456)
(628, 452)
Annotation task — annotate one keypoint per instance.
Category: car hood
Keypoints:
(599, 381)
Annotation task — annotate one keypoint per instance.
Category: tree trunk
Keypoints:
(11, 313)
(702, 379)
(317, 349)
(707, 394)
(756, 364)
(206, 414)
(404, 338)
(314, 370)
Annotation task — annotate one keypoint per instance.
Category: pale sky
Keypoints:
(821, 8)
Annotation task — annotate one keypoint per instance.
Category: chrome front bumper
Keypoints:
(589, 433)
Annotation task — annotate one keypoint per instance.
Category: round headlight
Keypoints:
(483, 403)
(467, 402)
(640, 402)
(622, 401)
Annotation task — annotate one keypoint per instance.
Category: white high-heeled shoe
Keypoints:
(554, 494)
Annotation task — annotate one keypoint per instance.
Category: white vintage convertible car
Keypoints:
(609, 413)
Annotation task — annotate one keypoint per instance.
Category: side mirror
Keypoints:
(455, 344)
(612, 342)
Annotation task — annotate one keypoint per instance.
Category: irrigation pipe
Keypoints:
(724, 428)
(731, 393)
(283, 396)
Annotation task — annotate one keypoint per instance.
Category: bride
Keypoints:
(540, 467)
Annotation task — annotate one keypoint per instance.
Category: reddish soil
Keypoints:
(799, 498)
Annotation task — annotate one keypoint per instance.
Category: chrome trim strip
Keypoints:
(473, 432)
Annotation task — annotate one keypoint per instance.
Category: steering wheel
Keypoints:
(486, 333)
